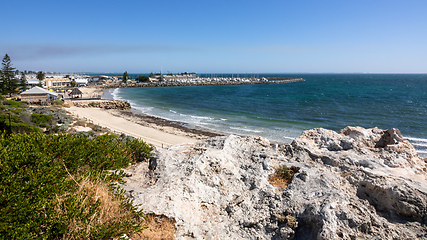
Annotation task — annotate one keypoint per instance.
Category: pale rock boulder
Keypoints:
(356, 184)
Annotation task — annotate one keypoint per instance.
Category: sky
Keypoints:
(206, 36)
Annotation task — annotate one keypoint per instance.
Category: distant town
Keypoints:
(41, 87)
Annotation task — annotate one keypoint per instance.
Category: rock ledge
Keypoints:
(355, 184)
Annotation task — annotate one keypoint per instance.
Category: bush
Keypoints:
(142, 79)
(24, 128)
(283, 176)
(58, 102)
(16, 124)
(15, 104)
(50, 185)
(41, 119)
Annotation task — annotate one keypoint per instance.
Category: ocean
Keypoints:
(280, 112)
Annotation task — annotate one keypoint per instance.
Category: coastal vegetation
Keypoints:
(63, 185)
(60, 186)
(18, 117)
(141, 78)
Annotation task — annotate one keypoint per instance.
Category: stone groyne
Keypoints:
(199, 83)
(106, 104)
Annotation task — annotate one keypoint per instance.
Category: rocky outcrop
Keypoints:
(355, 184)
(106, 104)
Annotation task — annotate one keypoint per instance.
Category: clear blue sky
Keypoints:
(386, 36)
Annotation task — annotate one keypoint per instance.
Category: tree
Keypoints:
(40, 77)
(23, 82)
(9, 83)
(142, 79)
(125, 77)
(73, 83)
(151, 75)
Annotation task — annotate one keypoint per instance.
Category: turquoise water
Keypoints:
(281, 112)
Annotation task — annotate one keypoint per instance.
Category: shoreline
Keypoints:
(120, 125)
(155, 131)
(170, 126)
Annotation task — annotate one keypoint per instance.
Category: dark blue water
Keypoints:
(281, 112)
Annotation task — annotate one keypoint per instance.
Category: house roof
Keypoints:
(38, 90)
(76, 91)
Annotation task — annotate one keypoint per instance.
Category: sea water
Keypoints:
(281, 112)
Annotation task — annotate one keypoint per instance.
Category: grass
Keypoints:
(100, 223)
(158, 227)
(283, 175)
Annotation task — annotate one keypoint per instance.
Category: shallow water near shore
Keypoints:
(281, 112)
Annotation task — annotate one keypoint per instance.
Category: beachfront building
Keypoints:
(38, 94)
(56, 81)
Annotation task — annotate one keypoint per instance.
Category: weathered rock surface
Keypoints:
(356, 184)
(106, 104)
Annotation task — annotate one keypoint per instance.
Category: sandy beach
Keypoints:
(154, 131)
(115, 123)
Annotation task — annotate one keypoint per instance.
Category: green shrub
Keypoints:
(41, 119)
(16, 124)
(24, 128)
(15, 104)
(47, 182)
(286, 173)
(17, 110)
(58, 102)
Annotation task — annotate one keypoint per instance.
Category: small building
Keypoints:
(81, 82)
(34, 82)
(57, 81)
(75, 93)
(38, 94)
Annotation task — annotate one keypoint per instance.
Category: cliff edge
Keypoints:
(355, 184)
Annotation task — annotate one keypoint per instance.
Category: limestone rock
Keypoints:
(106, 104)
(356, 184)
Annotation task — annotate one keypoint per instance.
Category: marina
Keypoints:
(202, 81)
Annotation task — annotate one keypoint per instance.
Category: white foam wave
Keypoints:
(421, 152)
(413, 139)
(201, 117)
(142, 109)
(115, 94)
(245, 129)
(290, 138)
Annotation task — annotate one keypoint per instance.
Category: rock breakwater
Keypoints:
(197, 83)
(355, 184)
(106, 104)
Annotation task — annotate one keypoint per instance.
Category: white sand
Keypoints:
(149, 135)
